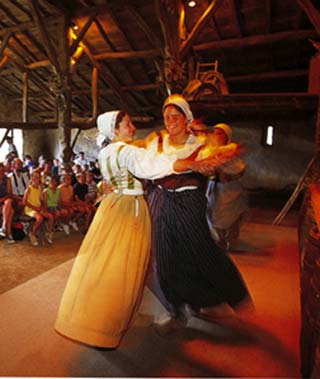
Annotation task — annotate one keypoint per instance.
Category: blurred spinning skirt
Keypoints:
(106, 283)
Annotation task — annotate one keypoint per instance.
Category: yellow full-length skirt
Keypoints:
(106, 283)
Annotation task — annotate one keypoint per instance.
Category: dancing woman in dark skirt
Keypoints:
(192, 270)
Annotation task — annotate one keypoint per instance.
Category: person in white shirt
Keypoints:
(19, 182)
(81, 160)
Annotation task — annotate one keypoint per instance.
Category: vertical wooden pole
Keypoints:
(25, 98)
(94, 89)
(64, 96)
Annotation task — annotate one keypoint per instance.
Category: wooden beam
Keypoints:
(82, 33)
(107, 76)
(168, 15)
(44, 35)
(112, 55)
(104, 34)
(36, 80)
(3, 62)
(252, 102)
(73, 143)
(25, 98)
(312, 13)
(256, 40)
(129, 54)
(95, 92)
(201, 23)
(26, 26)
(4, 43)
(104, 91)
(268, 75)
(86, 124)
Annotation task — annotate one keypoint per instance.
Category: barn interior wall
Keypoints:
(41, 142)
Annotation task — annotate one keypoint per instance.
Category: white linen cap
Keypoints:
(180, 102)
(106, 123)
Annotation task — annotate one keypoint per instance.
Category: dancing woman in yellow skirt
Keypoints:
(106, 283)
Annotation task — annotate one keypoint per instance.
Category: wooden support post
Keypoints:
(75, 139)
(94, 89)
(6, 134)
(25, 98)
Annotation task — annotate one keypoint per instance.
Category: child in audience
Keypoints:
(80, 196)
(68, 203)
(33, 207)
(92, 188)
(51, 200)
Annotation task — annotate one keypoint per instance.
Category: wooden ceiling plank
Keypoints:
(127, 67)
(312, 13)
(145, 27)
(9, 14)
(44, 35)
(34, 42)
(33, 77)
(25, 48)
(22, 8)
(256, 40)
(200, 24)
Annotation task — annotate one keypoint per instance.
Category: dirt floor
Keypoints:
(21, 261)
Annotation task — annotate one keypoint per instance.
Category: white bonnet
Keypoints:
(106, 123)
(180, 102)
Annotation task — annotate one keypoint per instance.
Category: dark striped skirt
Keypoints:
(191, 268)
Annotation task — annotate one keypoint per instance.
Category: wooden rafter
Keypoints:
(186, 45)
(5, 42)
(95, 92)
(22, 8)
(3, 62)
(82, 33)
(8, 13)
(312, 13)
(25, 98)
(256, 40)
(45, 35)
(135, 97)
